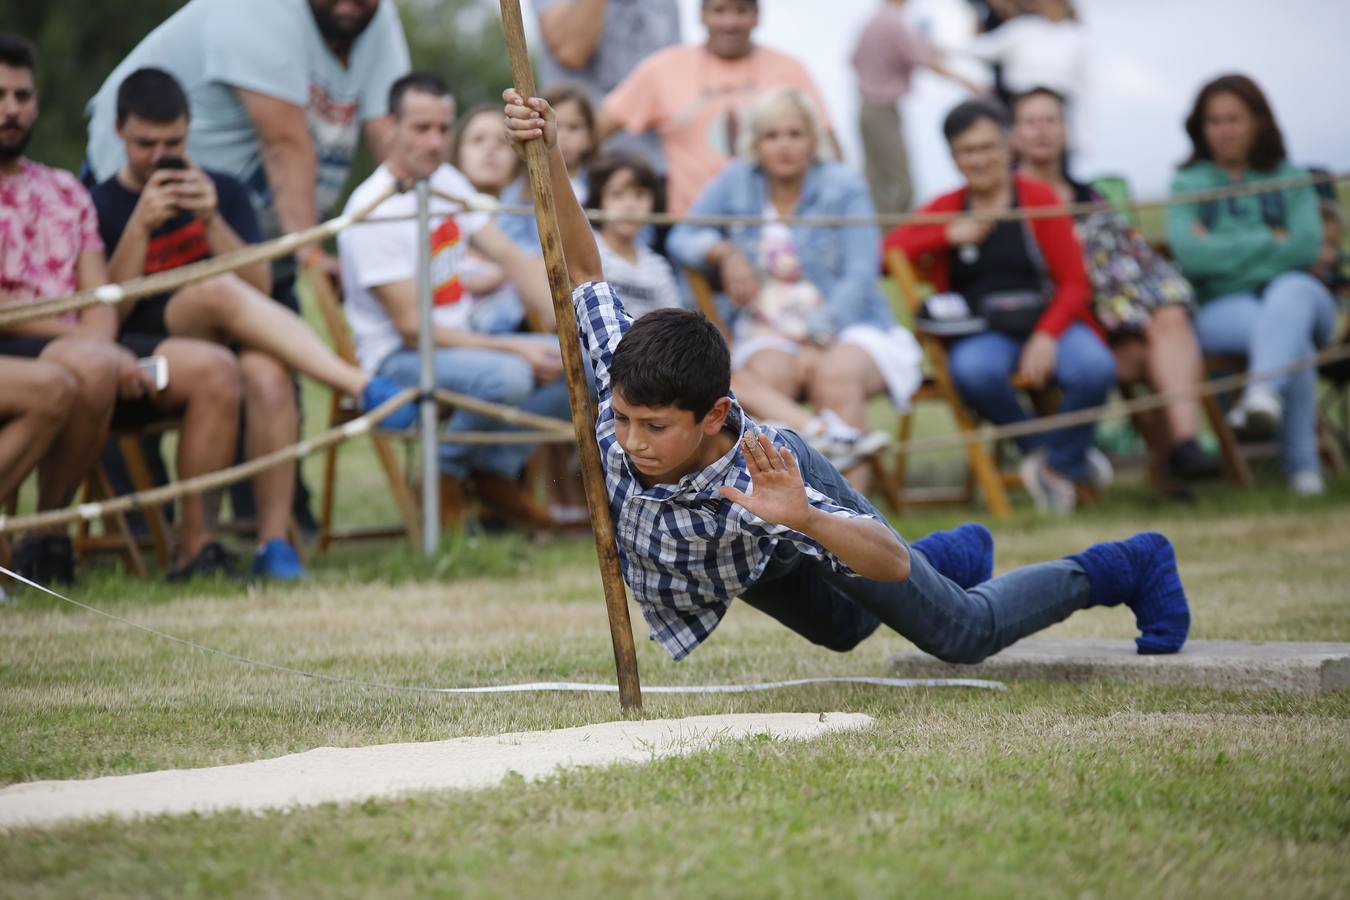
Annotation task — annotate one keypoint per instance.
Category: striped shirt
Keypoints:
(685, 550)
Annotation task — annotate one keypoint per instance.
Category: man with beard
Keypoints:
(280, 93)
(50, 247)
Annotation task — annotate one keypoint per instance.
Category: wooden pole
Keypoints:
(583, 420)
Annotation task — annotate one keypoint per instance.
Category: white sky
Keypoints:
(1148, 59)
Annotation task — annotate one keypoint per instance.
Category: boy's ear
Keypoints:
(716, 417)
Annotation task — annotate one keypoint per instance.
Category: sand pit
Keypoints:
(344, 775)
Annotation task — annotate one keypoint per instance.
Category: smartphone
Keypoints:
(171, 162)
(157, 367)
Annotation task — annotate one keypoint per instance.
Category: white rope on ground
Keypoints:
(984, 435)
(528, 687)
(890, 220)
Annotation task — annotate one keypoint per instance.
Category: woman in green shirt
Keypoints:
(1248, 259)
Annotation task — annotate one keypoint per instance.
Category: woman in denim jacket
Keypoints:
(807, 316)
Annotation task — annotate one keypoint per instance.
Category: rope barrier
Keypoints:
(890, 220)
(554, 435)
(173, 279)
(530, 687)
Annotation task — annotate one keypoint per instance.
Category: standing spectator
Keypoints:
(1141, 300)
(50, 247)
(379, 261)
(1045, 46)
(280, 92)
(159, 212)
(1248, 258)
(1028, 290)
(596, 43)
(885, 57)
(696, 96)
(849, 347)
(626, 185)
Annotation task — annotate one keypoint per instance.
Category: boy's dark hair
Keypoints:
(611, 164)
(153, 95)
(1267, 150)
(1040, 91)
(17, 52)
(673, 357)
(966, 115)
(422, 83)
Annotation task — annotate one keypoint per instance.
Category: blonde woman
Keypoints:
(835, 352)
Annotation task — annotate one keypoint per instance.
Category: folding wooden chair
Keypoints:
(342, 410)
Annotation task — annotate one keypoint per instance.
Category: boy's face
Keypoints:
(623, 195)
(665, 443)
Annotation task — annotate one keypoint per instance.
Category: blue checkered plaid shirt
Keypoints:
(684, 549)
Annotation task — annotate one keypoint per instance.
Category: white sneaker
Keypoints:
(841, 443)
(1100, 472)
(1050, 491)
(1307, 483)
(1257, 417)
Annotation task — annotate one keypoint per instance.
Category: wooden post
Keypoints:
(583, 420)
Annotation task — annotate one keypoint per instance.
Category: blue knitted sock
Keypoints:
(1142, 573)
(965, 554)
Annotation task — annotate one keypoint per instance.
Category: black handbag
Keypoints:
(1014, 313)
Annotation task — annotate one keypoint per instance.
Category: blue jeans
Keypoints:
(492, 375)
(1292, 317)
(1085, 371)
(937, 615)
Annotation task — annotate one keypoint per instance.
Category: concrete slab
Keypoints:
(1226, 665)
(352, 774)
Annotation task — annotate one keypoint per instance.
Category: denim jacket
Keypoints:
(844, 263)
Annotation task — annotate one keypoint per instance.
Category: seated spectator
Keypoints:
(696, 96)
(626, 185)
(159, 212)
(379, 266)
(577, 141)
(596, 43)
(483, 155)
(1248, 258)
(1141, 300)
(841, 344)
(1024, 300)
(49, 247)
(34, 411)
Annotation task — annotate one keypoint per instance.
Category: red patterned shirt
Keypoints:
(46, 221)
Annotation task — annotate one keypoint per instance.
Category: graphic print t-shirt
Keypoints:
(182, 239)
(377, 253)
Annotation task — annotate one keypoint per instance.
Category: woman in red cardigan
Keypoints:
(1014, 296)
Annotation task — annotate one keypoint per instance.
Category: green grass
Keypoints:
(1049, 789)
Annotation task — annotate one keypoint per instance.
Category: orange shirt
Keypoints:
(697, 102)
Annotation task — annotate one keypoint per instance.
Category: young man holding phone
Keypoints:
(161, 211)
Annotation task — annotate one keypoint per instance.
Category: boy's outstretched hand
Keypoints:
(778, 494)
(529, 120)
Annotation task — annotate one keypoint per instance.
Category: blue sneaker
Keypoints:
(377, 391)
(277, 560)
(964, 554)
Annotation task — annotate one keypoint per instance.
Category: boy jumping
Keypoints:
(709, 506)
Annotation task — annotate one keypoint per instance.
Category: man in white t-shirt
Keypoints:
(379, 277)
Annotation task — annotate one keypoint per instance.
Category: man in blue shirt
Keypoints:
(708, 506)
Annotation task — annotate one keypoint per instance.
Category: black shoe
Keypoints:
(1187, 462)
(213, 559)
(45, 559)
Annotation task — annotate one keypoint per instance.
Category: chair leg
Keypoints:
(326, 503)
(900, 474)
(138, 470)
(1330, 450)
(398, 486)
(99, 488)
(1234, 463)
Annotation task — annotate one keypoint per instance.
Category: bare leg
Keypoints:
(843, 380)
(95, 365)
(1174, 363)
(34, 407)
(272, 422)
(768, 387)
(227, 308)
(204, 390)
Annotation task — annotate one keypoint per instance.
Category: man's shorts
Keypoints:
(127, 413)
